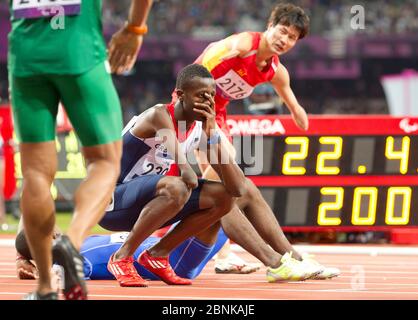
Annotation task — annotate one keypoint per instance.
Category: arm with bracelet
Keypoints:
(223, 163)
(228, 170)
(126, 43)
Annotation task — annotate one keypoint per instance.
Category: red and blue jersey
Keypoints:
(145, 156)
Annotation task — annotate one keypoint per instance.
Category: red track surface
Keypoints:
(363, 277)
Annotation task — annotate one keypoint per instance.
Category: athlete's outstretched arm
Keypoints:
(281, 83)
(126, 43)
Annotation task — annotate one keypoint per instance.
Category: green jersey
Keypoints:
(65, 38)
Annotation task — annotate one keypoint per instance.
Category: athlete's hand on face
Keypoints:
(207, 110)
(189, 177)
(123, 50)
(301, 118)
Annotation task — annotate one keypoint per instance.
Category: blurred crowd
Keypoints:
(317, 97)
(217, 18)
(214, 19)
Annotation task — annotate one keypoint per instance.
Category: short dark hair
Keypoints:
(288, 14)
(22, 246)
(189, 72)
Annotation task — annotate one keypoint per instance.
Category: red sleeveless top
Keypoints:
(236, 77)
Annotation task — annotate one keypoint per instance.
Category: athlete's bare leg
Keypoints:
(39, 164)
(214, 202)
(240, 230)
(95, 191)
(262, 218)
(210, 174)
(210, 235)
(170, 196)
(225, 251)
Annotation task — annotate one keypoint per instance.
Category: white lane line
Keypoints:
(373, 250)
(370, 291)
(326, 249)
(194, 297)
(348, 284)
(147, 297)
(350, 249)
(270, 288)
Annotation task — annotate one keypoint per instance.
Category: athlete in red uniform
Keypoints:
(240, 62)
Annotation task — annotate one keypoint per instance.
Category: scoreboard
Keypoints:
(345, 172)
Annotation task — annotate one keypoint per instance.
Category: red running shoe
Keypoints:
(125, 272)
(161, 268)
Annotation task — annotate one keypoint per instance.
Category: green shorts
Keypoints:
(90, 100)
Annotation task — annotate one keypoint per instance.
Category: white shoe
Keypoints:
(234, 264)
(326, 272)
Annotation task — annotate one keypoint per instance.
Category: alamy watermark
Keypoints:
(358, 278)
(358, 19)
(250, 149)
(57, 14)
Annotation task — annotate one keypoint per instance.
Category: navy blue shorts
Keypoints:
(130, 198)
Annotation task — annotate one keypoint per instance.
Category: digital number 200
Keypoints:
(359, 194)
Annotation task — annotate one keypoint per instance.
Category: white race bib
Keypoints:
(149, 167)
(45, 8)
(119, 237)
(233, 86)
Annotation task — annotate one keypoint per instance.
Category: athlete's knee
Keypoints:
(175, 191)
(106, 156)
(37, 182)
(39, 162)
(250, 194)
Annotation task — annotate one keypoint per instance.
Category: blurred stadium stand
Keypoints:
(334, 70)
